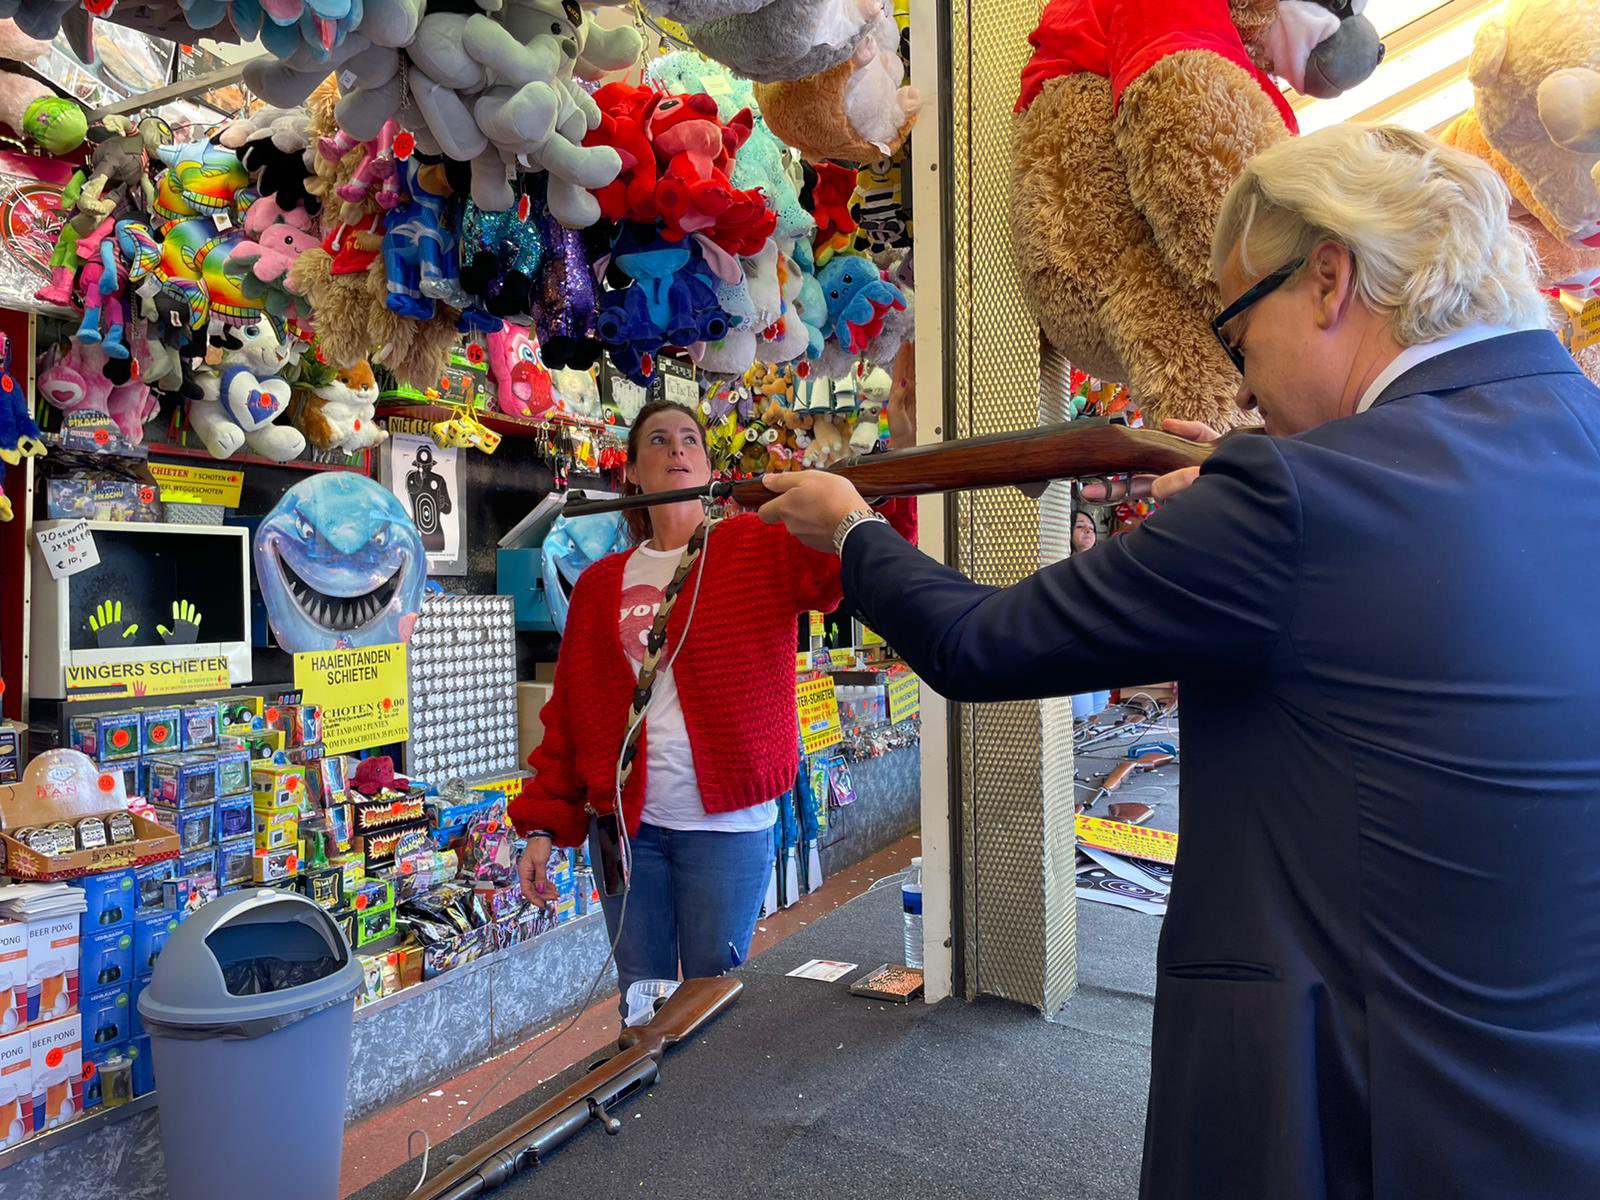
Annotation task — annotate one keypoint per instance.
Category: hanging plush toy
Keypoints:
(31, 108)
(19, 436)
(196, 209)
(1536, 119)
(501, 255)
(259, 263)
(858, 112)
(760, 162)
(1126, 143)
(522, 385)
(566, 300)
(490, 89)
(787, 39)
(858, 298)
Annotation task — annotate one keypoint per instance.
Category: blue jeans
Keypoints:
(693, 900)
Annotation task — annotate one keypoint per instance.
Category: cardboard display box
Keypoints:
(66, 786)
(531, 699)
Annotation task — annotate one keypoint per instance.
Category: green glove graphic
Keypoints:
(185, 624)
(106, 623)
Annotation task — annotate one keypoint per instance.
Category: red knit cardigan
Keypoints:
(735, 677)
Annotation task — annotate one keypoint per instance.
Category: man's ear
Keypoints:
(1331, 268)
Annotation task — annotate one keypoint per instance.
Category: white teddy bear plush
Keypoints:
(243, 397)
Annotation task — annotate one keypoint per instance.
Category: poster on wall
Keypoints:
(427, 478)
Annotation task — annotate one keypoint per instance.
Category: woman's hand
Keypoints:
(536, 886)
(811, 504)
(1157, 487)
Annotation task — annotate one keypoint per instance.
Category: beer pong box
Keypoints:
(16, 1089)
(13, 981)
(57, 1067)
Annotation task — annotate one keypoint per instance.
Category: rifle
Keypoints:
(635, 1066)
(1027, 458)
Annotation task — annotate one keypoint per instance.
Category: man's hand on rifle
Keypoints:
(811, 504)
(1157, 487)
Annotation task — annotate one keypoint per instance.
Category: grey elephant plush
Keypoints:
(492, 89)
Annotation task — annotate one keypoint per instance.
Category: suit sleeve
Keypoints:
(553, 799)
(1206, 583)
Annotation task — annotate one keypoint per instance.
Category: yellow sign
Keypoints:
(183, 484)
(162, 677)
(819, 715)
(1134, 841)
(841, 659)
(817, 627)
(1586, 326)
(905, 696)
(362, 693)
(869, 638)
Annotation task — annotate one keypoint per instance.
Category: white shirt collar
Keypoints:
(1413, 356)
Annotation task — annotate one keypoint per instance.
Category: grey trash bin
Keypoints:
(249, 1014)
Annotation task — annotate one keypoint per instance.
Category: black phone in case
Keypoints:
(608, 842)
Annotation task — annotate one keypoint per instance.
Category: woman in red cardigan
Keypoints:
(720, 732)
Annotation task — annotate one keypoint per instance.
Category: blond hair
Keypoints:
(1429, 227)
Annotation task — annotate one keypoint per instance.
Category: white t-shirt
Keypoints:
(672, 791)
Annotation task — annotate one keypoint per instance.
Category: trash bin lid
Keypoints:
(246, 964)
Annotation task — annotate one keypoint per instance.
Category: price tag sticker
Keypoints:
(68, 549)
(222, 221)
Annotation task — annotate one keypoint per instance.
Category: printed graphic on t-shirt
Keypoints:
(640, 603)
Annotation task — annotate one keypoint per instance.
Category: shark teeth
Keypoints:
(341, 614)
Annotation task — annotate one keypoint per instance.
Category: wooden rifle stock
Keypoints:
(1072, 450)
(635, 1066)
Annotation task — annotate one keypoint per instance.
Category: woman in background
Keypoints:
(720, 731)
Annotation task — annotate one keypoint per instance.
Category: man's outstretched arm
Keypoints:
(1207, 583)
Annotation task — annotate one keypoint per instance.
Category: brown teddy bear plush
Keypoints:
(1536, 119)
(1135, 119)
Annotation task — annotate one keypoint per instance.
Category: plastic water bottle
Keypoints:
(911, 902)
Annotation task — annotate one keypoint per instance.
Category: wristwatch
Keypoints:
(842, 530)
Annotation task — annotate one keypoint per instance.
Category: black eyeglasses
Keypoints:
(1253, 294)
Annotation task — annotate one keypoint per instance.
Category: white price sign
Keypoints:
(680, 390)
(68, 549)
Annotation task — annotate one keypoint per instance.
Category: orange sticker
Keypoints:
(158, 734)
(88, 1071)
(272, 714)
(119, 738)
(107, 783)
(54, 1057)
(292, 782)
(387, 704)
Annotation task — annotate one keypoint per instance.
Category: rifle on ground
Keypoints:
(635, 1066)
(1027, 458)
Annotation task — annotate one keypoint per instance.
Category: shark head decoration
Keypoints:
(572, 546)
(340, 564)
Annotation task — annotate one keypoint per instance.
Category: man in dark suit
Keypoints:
(1379, 974)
